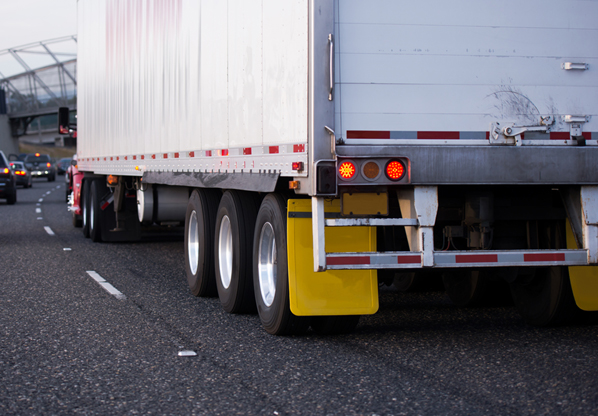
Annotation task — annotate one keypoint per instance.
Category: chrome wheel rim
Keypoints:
(84, 213)
(267, 262)
(193, 243)
(91, 203)
(225, 252)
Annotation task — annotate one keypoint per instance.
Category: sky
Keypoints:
(28, 21)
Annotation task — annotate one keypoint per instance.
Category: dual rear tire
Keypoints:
(93, 191)
(248, 265)
(270, 270)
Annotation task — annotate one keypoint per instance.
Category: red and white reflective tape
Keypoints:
(445, 259)
(237, 151)
(107, 202)
(511, 258)
(452, 135)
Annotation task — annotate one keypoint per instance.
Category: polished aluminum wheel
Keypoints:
(84, 209)
(267, 263)
(193, 243)
(225, 252)
(91, 211)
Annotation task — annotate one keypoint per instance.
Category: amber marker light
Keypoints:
(371, 170)
(395, 170)
(346, 170)
(112, 180)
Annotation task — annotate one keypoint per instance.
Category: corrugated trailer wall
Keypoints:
(185, 75)
(406, 66)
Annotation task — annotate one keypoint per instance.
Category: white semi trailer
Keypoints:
(314, 147)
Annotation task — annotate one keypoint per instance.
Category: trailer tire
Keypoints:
(235, 222)
(200, 222)
(466, 287)
(544, 297)
(84, 201)
(270, 270)
(95, 213)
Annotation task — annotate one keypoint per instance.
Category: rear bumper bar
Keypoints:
(453, 259)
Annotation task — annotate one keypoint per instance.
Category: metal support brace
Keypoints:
(319, 241)
(421, 203)
(589, 208)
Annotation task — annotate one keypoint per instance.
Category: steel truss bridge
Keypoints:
(35, 80)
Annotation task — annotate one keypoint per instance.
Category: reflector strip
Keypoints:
(454, 135)
(358, 134)
(298, 148)
(442, 259)
(416, 259)
(438, 135)
(476, 258)
(107, 203)
(348, 260)
(544, 257)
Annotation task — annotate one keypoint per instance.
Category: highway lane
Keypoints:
(68, 346)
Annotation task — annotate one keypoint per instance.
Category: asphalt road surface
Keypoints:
(70, 346)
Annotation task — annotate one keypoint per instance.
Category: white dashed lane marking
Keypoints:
(49, 230)
(107, 286)
(38, 210)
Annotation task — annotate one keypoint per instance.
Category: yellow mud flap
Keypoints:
(334, 292)
(584, 280)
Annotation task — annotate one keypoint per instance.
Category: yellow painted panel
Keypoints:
(334, 292)
(584, 280)
(358, 203)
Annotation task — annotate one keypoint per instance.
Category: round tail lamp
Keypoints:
(347, 170)
(395, 170)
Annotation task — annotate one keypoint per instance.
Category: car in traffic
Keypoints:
(41, 166)
(62, 165)
(22, 174)
(8, 181)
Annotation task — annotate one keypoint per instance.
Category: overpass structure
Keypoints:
(35, 80)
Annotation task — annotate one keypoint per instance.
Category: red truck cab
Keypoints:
(73, 180)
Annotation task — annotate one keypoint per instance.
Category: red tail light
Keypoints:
(395, 170)
(6, 170)
(20, 172)
(49, 165)
(346, 170)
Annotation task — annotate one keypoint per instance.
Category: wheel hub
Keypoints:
(267, 262)
(225, 252)
(193, 243)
